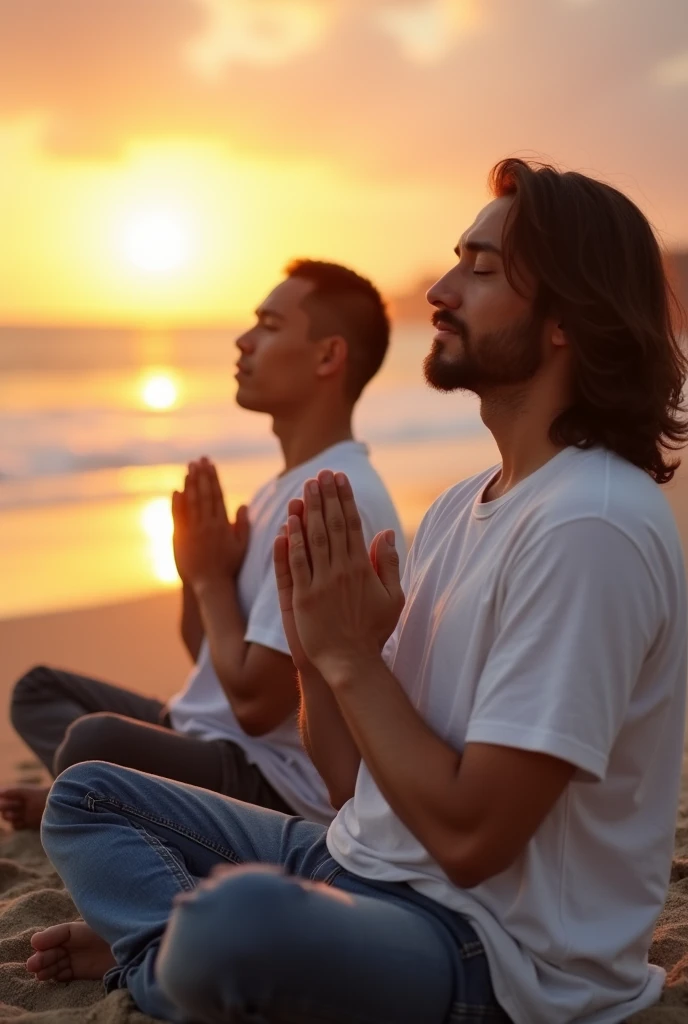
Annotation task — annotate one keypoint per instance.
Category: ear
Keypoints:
(558, 335)
(332, 356)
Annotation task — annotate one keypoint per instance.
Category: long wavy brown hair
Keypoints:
(599, 269)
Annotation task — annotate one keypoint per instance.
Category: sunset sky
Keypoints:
(160, 160)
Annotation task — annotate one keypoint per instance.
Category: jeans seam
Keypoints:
(93, 799)
(185, 880)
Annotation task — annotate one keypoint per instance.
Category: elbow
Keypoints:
(338, 797)
(253, 719)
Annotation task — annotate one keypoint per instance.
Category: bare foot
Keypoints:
(69, 952)
(23, 806)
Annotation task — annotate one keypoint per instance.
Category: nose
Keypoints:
(245, 343)
(445, 293)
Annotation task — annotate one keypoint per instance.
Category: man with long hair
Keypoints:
(502, 733)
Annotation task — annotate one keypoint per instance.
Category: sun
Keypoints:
(157, 241)
(159, 391)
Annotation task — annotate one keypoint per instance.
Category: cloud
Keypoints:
(261, 32)
(428, 31)
(674, 71)
(433, 89)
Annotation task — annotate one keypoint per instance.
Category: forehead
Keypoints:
(488, 226)
(287, 297)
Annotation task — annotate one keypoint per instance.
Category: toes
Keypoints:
(58, 972)
(51, 964)
(50, 938)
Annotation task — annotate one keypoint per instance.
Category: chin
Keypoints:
(246, 400)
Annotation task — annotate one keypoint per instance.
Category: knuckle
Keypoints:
(319, 539)
(353, 521)
(336, 524)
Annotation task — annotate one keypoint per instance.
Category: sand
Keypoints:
(136, 644)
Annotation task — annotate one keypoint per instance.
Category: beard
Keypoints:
(497, 359)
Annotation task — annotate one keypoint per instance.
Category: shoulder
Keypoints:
(458, 498)
(600, 488)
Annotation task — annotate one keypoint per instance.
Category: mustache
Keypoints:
(445, 318)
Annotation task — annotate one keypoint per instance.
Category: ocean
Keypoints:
(74, 406)
(97, 425)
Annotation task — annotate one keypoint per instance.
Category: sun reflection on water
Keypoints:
(156, 520)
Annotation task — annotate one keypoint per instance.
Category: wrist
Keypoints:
(209, 584)
(347, 669)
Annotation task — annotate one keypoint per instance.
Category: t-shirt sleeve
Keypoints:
(577, 618)
(264, 624)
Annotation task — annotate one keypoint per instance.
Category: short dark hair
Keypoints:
(598, 267)
(342, 302)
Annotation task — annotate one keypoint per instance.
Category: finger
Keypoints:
(335, 522)
(242, 524)
(219, 507)
(354, 527)
(315, 530)
(296, 508)
(298, 559)
(387, 564)
(285, 585)
(191, 499)
(205, 496)
(178, 508)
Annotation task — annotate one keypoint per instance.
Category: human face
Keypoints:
(488, 334)
(277, 366)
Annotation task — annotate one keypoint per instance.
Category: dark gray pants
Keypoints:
(65, 719)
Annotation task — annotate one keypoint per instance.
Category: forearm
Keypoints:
(327, 738)
(224, 626)
(415, 770)
(191, 623)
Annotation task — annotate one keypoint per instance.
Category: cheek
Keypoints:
(492, 308)
(285, 367)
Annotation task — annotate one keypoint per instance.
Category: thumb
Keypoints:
(386, 562)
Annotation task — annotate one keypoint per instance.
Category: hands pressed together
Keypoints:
(340, 602)
(207, 545)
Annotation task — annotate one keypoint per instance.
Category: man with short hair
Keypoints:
(319, 337)
(507, 767)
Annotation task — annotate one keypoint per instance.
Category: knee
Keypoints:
(34, 686)
(225, 938)
(89, 738)
(71, 788)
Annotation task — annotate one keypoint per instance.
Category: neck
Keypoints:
(304, 436)
(520, 423)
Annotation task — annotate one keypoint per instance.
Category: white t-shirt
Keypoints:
(201, 709)
(551, 619)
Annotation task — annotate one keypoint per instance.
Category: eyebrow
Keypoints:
(266, 311)
(477, 246)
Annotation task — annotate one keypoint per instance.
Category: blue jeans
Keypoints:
(288, 937)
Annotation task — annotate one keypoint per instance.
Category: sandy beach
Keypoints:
(136, 643)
